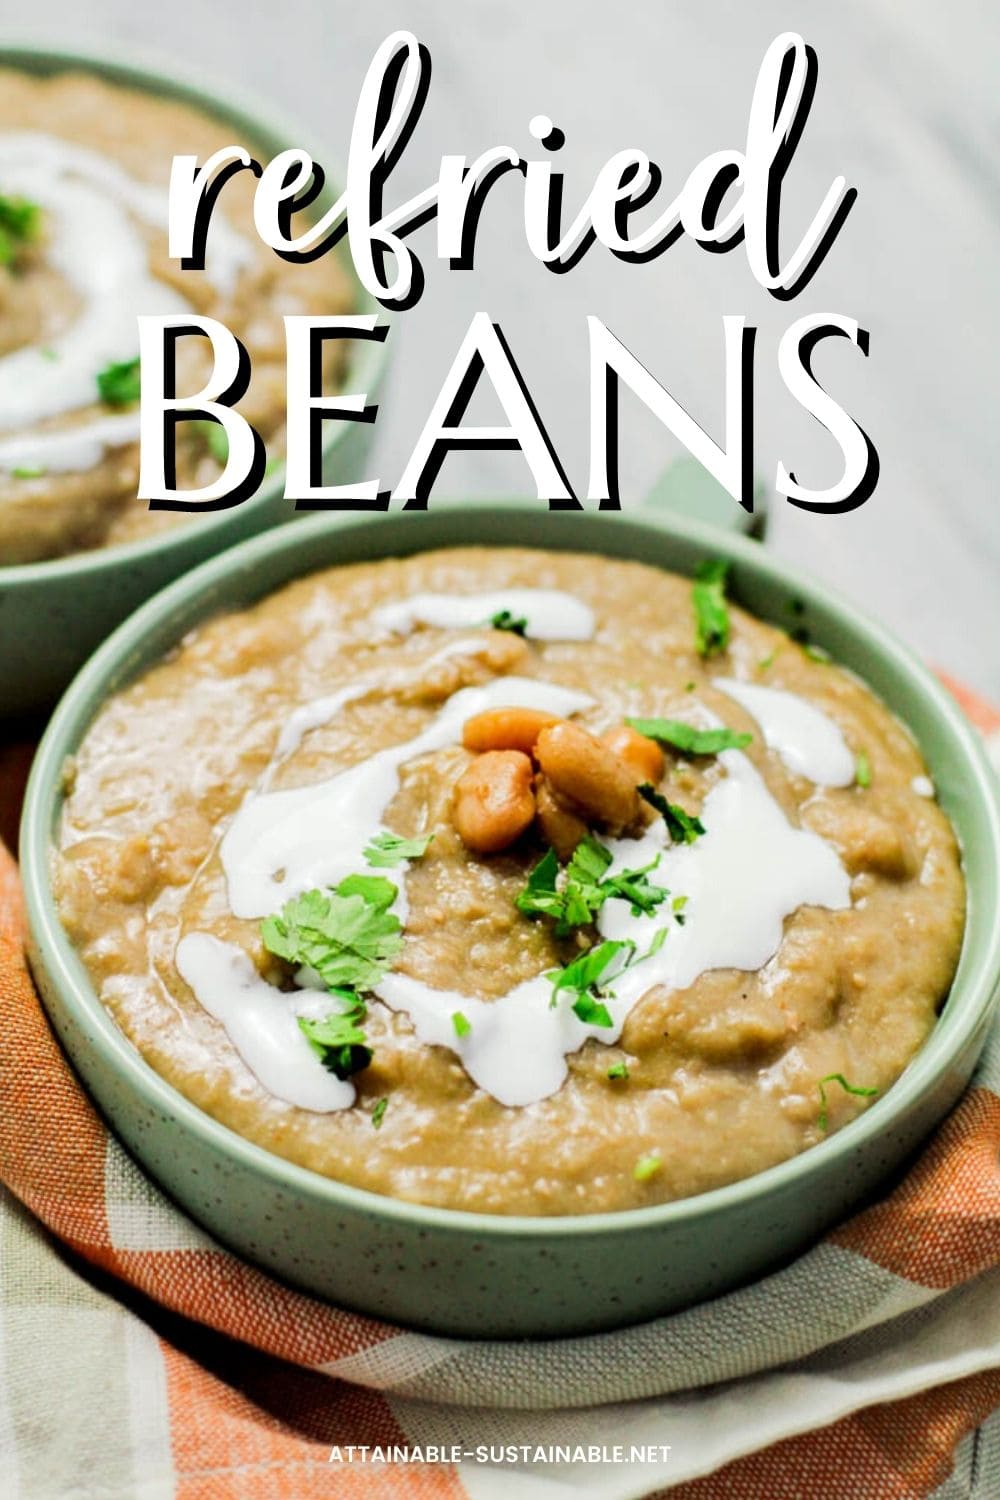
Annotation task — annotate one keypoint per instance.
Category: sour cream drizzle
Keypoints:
(751, 864)
(95, 211)
(551, 615)
(262, 1022)
(806, 739)
(283, 843)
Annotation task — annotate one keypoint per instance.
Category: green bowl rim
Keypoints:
(132, 67)
(957, 1025)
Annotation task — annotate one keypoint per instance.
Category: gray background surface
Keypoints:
(906, 107)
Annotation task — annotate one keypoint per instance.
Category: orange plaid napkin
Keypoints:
(138, 1357)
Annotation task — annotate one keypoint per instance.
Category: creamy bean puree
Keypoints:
(495, 879)
(84, 169)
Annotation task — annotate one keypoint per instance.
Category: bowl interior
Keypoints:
(965, 782)
(268, 133)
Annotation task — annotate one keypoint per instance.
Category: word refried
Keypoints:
(732, 197)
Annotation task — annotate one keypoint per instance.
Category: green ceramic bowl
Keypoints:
(467, 1274)
(53, 614)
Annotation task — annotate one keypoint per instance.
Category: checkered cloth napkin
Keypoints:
(140, 1358)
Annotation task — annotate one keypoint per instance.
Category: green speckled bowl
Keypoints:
(462, 1273)
(53, 614)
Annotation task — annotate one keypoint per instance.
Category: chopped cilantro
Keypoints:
(347, 935)
(378, 1113)
(540, 896)
(589, 861)
(377, 890)
(816, 653)
(387, 849)
(461, 1023)
(682, 826)
(632, 886)
(689, 687)
(591, 1011)
(659, 938)
(583, 892)
(686, 737)
(27, 471)
(215, 439)
(20, 223)
(849, 1088)
(504, 620)
(863, 770)
(647, 1166)
(118, 384)
(584, 979)
(618, 1070)
(574, 899)
(766, 661)
(338, 1040)
(711, 613)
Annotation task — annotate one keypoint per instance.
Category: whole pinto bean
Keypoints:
(506, 729)
(586, 773)
(494, 801)
(561, 828)
(642, 755)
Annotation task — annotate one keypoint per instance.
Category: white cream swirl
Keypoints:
(96, 215)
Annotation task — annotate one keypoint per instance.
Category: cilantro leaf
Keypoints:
(632, 886)
(540, 896)
(711, 613)
(682, 826)
(659, 938)
(338, 1040)
(863, 770)
(586, 975)
(347, 935)
(591, 1011)
(20, 224)
(118, 384)
(215, 439)
(461, 1023)
(647, 1166)
(577, 899)
(849, 1088)
(588, 862)
(686, 737)
(377, 890)
(618, 1070)
(378, 1113)
(505, 620)
(584, 875)
(387, 849)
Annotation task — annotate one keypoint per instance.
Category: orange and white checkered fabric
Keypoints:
(139, 1358)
